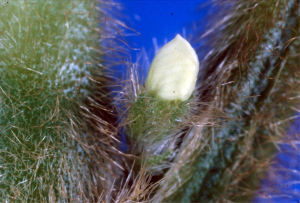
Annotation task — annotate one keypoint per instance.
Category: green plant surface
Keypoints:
(48, 51)
(152, 119)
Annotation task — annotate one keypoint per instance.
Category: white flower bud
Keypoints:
(173, 71)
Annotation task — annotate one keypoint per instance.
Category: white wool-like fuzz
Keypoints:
(173, 71)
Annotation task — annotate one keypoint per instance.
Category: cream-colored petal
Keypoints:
(173, 71)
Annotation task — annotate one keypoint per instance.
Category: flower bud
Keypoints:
(173, 71)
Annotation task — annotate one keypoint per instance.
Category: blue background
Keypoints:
(157, 22)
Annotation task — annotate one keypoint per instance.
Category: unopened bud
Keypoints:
(173, 71)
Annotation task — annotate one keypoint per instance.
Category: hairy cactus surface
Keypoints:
(60, 121)
(55, 122)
